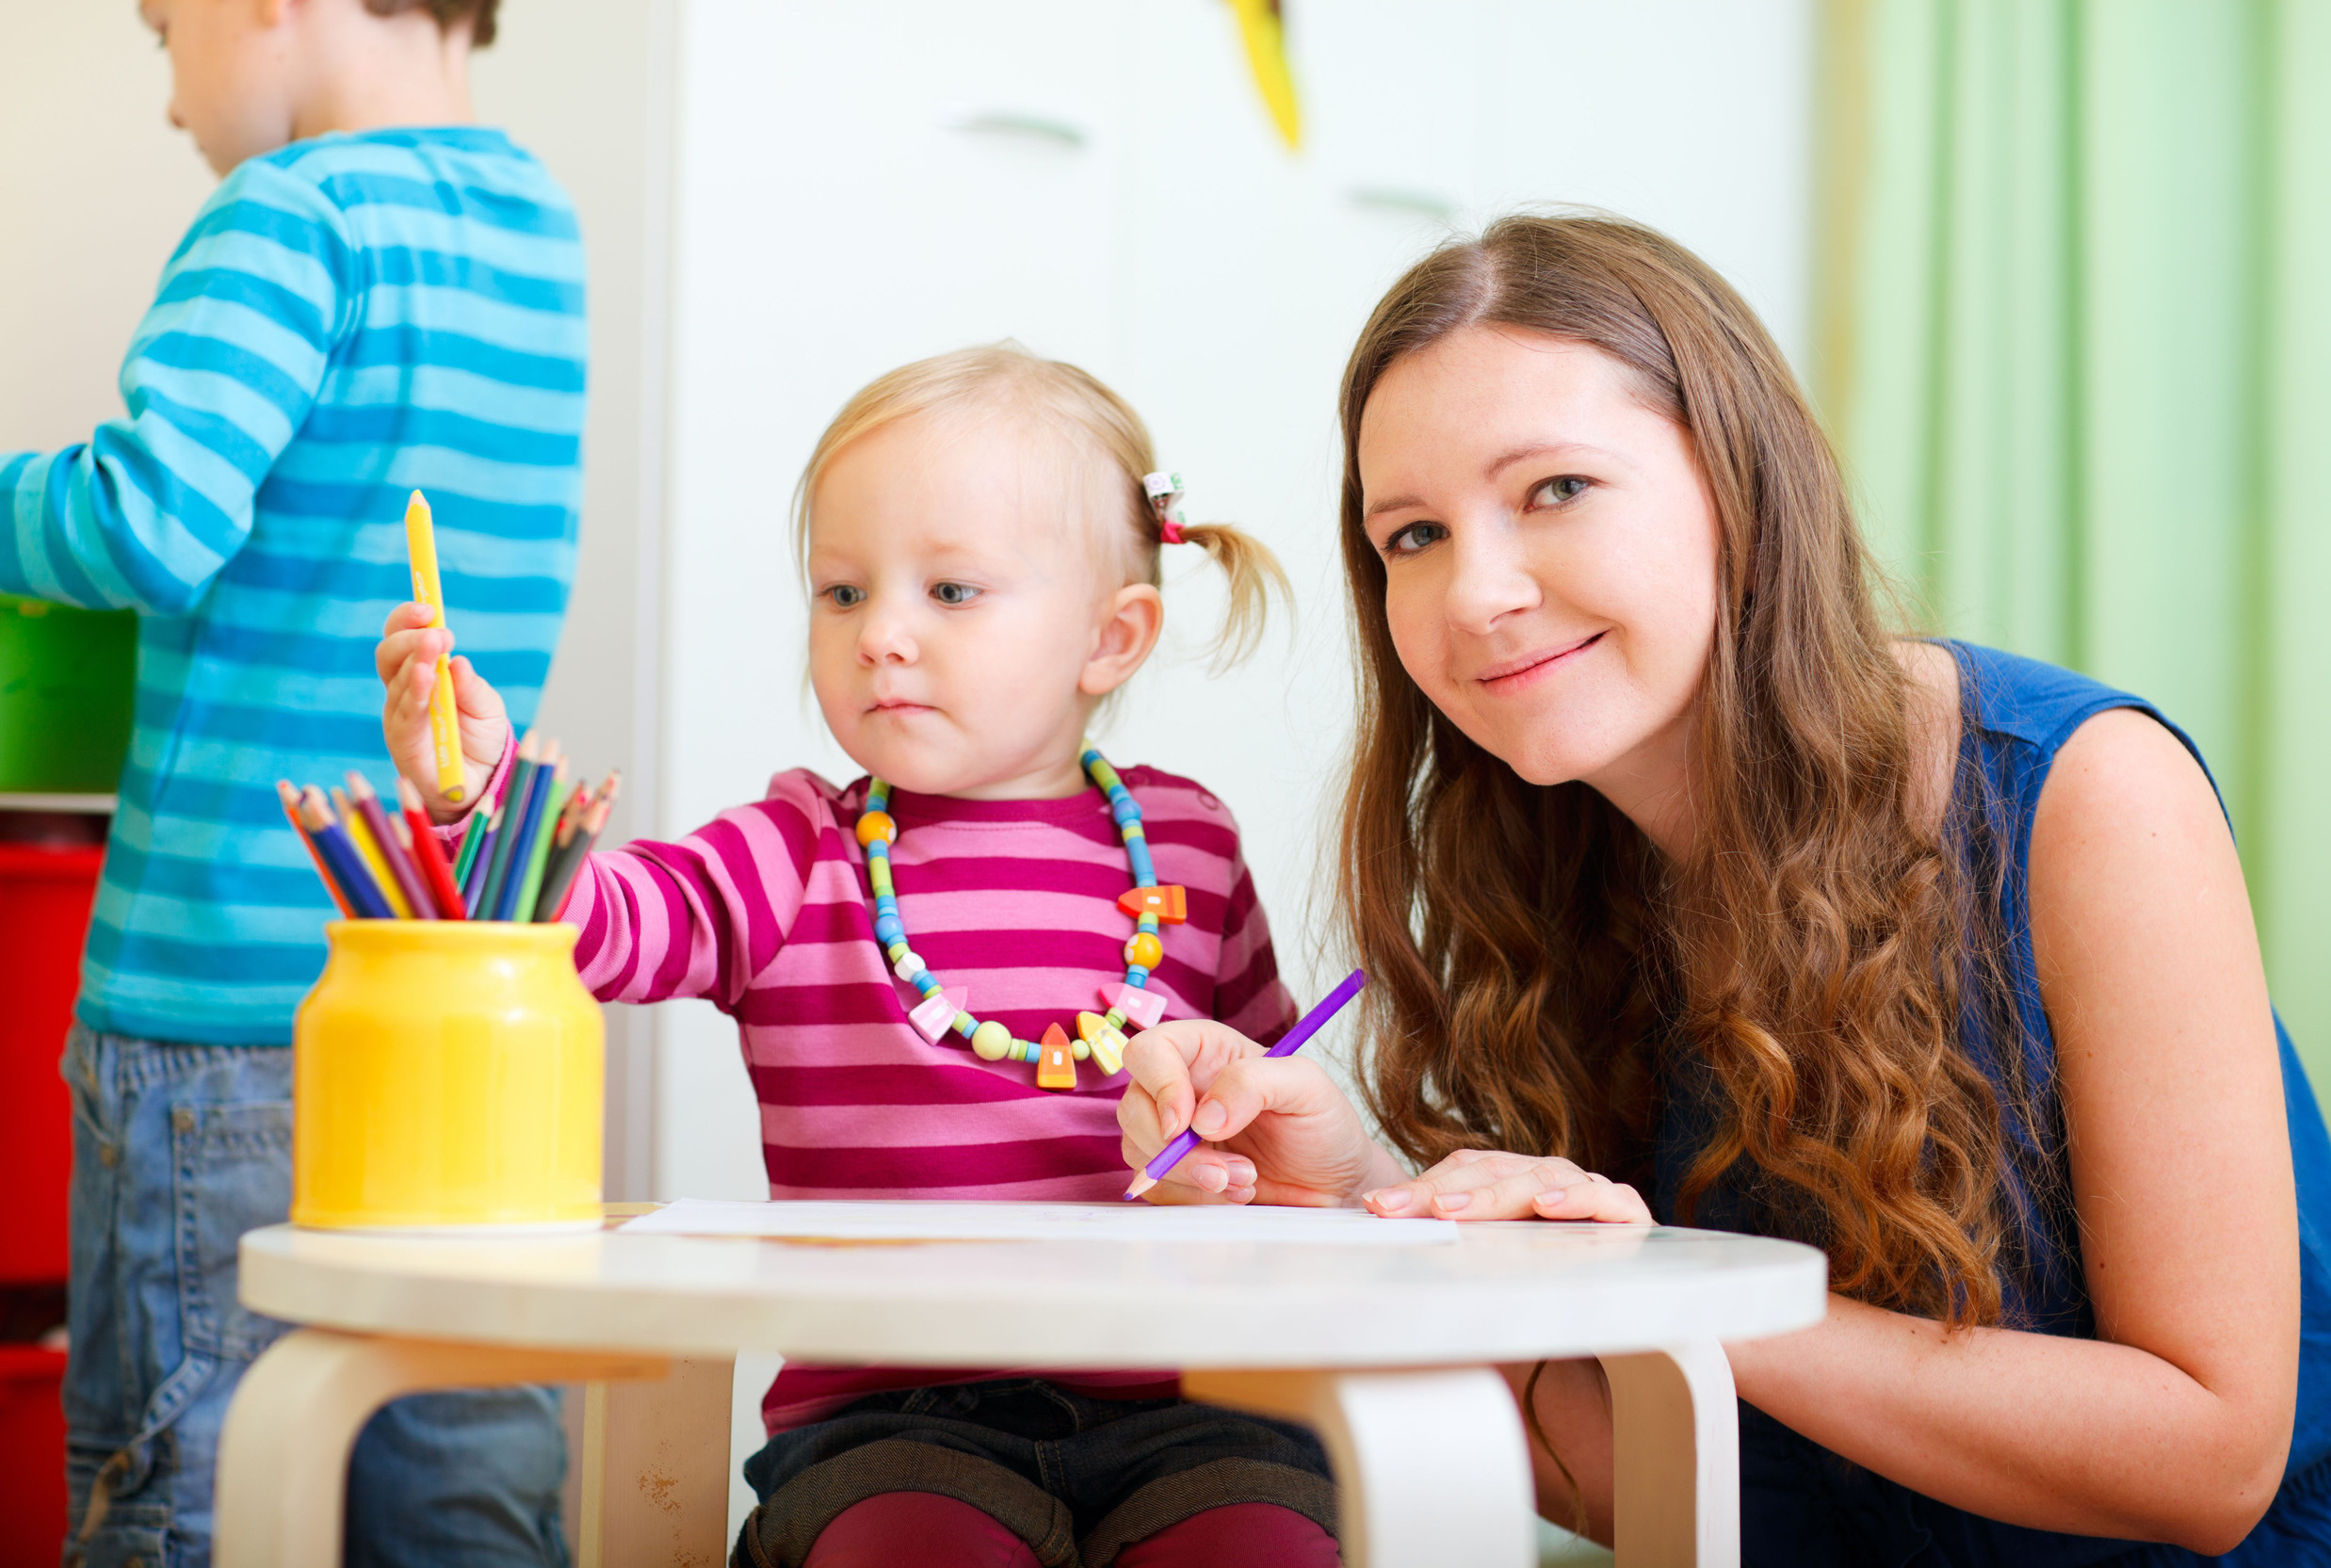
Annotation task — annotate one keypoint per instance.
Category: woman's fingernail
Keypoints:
(1169, 1122)
(1211, 1119)
(1455, 1201)
(1211, 1178)
(1242, 1174)
(1390, 1198)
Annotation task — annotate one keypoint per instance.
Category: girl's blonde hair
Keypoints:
(1003, 379)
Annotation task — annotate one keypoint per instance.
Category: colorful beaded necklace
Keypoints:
(1099, 1036)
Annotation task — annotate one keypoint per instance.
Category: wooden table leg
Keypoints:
(655, 1469)
(1676, 1450)
(1430, 1465)
(283, 1452)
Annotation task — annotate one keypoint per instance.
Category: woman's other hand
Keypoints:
(407, 661)
(1487, 1184)
(1277, 1129)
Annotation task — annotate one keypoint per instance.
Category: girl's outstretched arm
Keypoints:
(2174, 1423)
(705, 913)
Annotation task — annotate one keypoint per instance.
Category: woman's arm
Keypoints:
(2173, 1424)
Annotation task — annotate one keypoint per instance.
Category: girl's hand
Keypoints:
(1484, 1184)
(406, 661)
(1278, 1129)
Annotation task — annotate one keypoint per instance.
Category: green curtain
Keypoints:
(2073, 335)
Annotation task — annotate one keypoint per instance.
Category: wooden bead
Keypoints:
(991, 1041)
(1100, 1037)
(936, 1015)
(907, 965)
(1056, 1067)
(874, 825)
(1144, 950)
(1168, 903)
(1144, 1008)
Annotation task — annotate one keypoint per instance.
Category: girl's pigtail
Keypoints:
(1246, 561)
(1253, 571)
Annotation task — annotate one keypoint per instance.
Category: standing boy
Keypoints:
(381, 297)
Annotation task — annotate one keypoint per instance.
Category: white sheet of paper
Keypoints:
(837, 1221)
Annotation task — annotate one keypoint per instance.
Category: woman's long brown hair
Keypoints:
(1542, 977)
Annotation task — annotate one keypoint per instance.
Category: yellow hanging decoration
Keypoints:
(1265, 32)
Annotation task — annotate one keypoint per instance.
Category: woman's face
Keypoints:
(1549, 550)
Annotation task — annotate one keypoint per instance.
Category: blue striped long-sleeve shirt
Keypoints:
(350, 320)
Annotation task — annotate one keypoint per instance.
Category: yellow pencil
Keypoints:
(360, 835)
(444, 723)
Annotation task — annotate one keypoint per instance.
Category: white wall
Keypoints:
(100, 188)
(861, 185)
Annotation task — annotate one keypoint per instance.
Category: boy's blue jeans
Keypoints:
(177, 1151)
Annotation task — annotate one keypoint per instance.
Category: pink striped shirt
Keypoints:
(767, 912)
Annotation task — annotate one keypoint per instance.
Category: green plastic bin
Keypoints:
(67, 685)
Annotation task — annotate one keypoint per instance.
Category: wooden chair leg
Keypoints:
(655, 1469)
(1677, 1452)
(282, 1490)
(1430, 1465)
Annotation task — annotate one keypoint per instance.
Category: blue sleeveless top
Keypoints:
(1802, 1505)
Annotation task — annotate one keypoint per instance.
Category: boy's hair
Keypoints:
(1005, 378)
(478, 14)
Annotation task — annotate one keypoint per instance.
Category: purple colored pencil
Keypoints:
(407, 875)
(1293, 1040)
(472, 890)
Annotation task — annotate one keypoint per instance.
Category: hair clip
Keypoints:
(1163, 491)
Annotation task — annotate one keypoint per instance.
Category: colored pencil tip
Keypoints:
(360, 787)
(1143, 1181)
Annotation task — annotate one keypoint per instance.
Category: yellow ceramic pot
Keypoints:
(446, 1073)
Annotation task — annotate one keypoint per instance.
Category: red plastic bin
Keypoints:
(32, 1436)
(46, 895)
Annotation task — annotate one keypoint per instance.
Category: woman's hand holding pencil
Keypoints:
(406, 661)
(1277, 1128)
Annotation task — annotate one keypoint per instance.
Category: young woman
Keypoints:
(1678, 876)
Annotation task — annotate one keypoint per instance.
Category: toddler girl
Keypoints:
(981, 551)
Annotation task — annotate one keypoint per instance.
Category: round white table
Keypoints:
(1387, 1352)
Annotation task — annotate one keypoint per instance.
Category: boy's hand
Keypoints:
(407, 659)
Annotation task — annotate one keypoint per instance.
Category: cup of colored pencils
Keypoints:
(517, 859)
